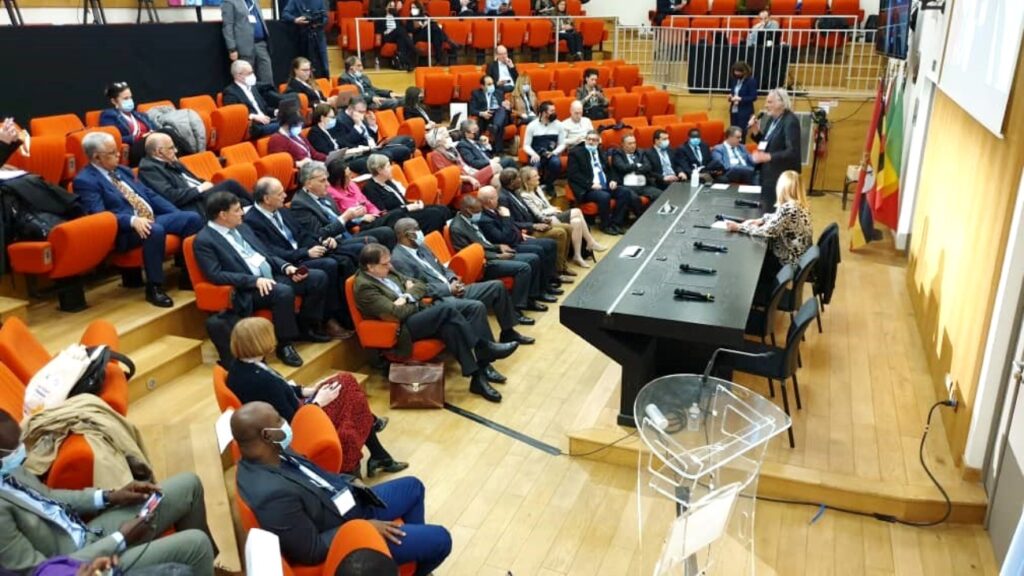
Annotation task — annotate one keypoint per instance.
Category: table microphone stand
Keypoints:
(13, 12)
(96, 8)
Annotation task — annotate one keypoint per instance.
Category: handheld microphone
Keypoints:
(657, 419)
(735, 219)
(684, 294)
(696, 269)
(747, 204)
(710, 247)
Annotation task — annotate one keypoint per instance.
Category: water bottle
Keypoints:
(693, 415)
(376, 64)
(695, 177)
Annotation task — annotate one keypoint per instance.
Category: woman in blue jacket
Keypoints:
(742, 97)
(132, 125)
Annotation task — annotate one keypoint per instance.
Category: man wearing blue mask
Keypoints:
(667, 167)
(488, 104)
(304, 505)
(696, 154)
(37, 523)
(591, 181)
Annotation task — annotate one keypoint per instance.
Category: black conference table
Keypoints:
(625, 307)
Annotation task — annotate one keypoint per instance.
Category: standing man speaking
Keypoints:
(778, 143)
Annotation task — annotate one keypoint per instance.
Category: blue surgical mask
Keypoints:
(285, 442)
(663, 144)
(694, 141)
(331, 123)
(12, 461)
(476, 217)
(419, 237)
(591, 148)
(295, 131)
(489, 89)
(127, 105)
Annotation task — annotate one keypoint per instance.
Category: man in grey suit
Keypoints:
(37, 523)
(246, 36)
(376, 98)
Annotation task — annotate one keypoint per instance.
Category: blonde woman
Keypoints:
(571, 220)
(524, 100)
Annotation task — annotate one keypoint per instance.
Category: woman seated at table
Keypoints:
(445, 154)
(524, 101)
(572, 219)
(289, 139)
(132, 125)
(788, 230)
(301, 81)
(413, 107)
(340, 397)
(388, 195)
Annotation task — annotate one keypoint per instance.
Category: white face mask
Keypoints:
(250, 80)
(414, 11)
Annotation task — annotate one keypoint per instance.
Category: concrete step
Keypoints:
(161, 361)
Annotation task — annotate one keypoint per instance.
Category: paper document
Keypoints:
(11, 174)
(262, 554)
(720, 187)
(223, 429)
(747, 189)
(697, 528)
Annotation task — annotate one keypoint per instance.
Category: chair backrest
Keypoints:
(387, 123)
(483, 33)
(435, 241)
(421, 72)
(316, 438)
(562, 106)
(73, 144)
(12, 393)
(58, 125)
(449, 183)
(539, 32)
(209, 297)
(804, 269)
(626, 76)
(355, 535)
(47, 159)
(712, 132)
(203, 164)
(20, 351)
(513, 30)
(372, 334)
(349, 10)
(230, 126)
(438, 8)
(645, 136)
(828, 262)
(665, 119)
(655, 103)
(147, 106)
(200, 103)
(625, 105)
(92, 118)
(438, 89)
(244, 173)
(423, 188)
(468, 263)
(226, 399)
(241, 153)
(783, 282)
(415, 168)
(280, 165)
(458, 31)
(568, 80)
(540, 79)
(807, 313)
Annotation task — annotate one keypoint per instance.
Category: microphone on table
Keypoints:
(736, 219)
(696, 269)
(748, 203)
(710, 247)
(684, 294)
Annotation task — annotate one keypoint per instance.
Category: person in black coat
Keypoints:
(388, 195)
(778, 143)
(477, 151)
(412, 107)
(301, 81)
(666, 166)
(229, 253)
(503, 70)
(631, 169)
(314, 209)
(376, 98)
(499, 228)
(591, 181)
(165, 175)
(665, 8)
(358, 127)
(742, 97)
(491, 111)
(696, 154)
(244, 90)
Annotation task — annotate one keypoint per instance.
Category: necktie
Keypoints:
(429, 267)
(284, 229)
(597, 170)
(666, 163)
(140, 206)
(736, 155)
(73, 520)
(248, 252)
(189, 178)
(696, 152)
(328, 208)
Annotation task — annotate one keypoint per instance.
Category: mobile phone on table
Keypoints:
(150, 506)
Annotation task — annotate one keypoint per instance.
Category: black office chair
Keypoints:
(761, 320)
(781, 363)
(793, 298)
(823, 280)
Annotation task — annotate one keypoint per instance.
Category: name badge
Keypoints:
(763, 145)
(252, 19)
(344, 501)
(255, 261)
(734, 161)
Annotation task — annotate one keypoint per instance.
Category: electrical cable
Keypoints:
(600, 448)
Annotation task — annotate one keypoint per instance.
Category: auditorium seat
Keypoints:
(568, 80)
(382, 336)
(679, 133)
(241, 153)
(814, 7)
(484, 37)
(415, 168)
(279, 165)
(130, 261)
(210, 297)
(438, 89)
(73, 145)
(147, 106)
(665, 119)
(697, 7)
(624, 105)
(449, 184)
(316, 438)
(203, 105)
(513, 31)
(226, 399)
(540, 33)
(421, 72)
(48, 158)
(541, 79)
(656, 103)
(562, 106)
(626, 76)
(783, 7)
(262, 146)
(712, 132)
(423, 188)
(92, 118)
(415, 128)
(645, 136)
(57, 125)
(229, 125)
(244, 173)
(458, 31)
(592, 32)
(203, 164)
(723, 7)
(387, 123)
(694, 116)
(359, 535)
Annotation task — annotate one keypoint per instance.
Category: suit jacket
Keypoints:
(519, 212)
(381, 197)
(784, 146)
(375, 300)
(621, 165)
(274, 239)
(748, 95)
(30, 538)
(492, 71)
(689, 158)
(406, 265)
(499, 229)
(111, 117)
(233, 94)
(678, 165)
(473, 154)
(322, 141)
(168, 180)
(254, 383)
(581, 170)
(720, 155)
(312, 92)
(221, 264)
(366, 88)
(309, 215)
(237, 31)
(463, 234)
(298, 151)
(98, 194)
(346, 134)
(478, 101)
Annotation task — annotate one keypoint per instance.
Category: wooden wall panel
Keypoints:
(964, 208)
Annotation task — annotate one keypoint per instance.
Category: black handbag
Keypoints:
(91, 382)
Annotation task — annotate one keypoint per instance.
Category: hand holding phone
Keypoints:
(147, 510)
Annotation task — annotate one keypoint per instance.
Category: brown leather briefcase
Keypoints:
(416, 385)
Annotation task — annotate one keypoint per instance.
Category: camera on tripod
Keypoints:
(819, 116)
(317, 18)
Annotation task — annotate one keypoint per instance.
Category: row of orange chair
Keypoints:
(778, 7)
(798, 32)
(442, 8)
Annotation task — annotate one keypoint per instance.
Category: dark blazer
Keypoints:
(309, 215)
(406, 265)
(581, 172)
(463, 234)
(312, 92)
(678, 165)
(275, 240)
(784, 146)
(375, 300)
(478, 101)
(346, 134)
(417, 112)
(168, 180)
(748, 95)
(381, 197)
(499, 230)
(366, 88)
(111, 117)
(98, 194)
(253, 383)
(518, 211)
(322, 141)
(472, 154)
(221, 264)
(690, 158)
(622, 165)
(233, 94)
(492, 71)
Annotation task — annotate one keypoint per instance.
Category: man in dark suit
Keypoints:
(229, 253)
(733, 156)
(491, 110)
(304, 505)
(376, 98)
(778, 144)
(590, 182)
(665, 8)
(144, 218)
(501, 261)
(631, 169)
(525, 220)
(284, 238)
(666, 167)
(165, 175)
(314, 210)
(696, 154)
(474, 151)
(413, 258)
(497, 225)
(245, 90)
(358, 127)
(383, 294)
(503, 70)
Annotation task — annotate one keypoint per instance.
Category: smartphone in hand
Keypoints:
(149, 507)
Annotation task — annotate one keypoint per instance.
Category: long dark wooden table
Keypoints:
(625, 306)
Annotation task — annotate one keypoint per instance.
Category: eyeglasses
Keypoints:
(110, 153)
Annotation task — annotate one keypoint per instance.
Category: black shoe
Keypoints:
(379, 423)
(287, 354)
(511, 335)
(156, 296)
(390, 466)
(493, 376)
(312, 335)
(549, 298)
(487, 352)
(525, 321)
(478, 385)
(554, 289)
(619, 229)
(535, 306)
(611, 230)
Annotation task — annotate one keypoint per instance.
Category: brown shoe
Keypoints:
(336, 330)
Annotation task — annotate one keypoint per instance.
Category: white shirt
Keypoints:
(575, 132)
(503, 73)
(252, 99)
(536, 128)
(252, 258)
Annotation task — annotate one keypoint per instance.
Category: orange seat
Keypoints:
(344, 89)
(435, 241)
(421, 72)
(73, 144)
(656, 103)
(623, 105)
(562, 106)
(513, 30)
(350, 41)
(712, 132)
(383, 335)
(203, 164)
(626, 76)
(209, 297)
(147, 106)
(262, 146)
(783, 7)
(694, 116)
(438, 8)
(665, 119)
(316, 438)
(449, 183)
(200, 103)
(415, 128)
(458, 31)
(645, 136)
(568, 80)
(423, 188)
(130, 261)
(613, 90)
(541, 79)
(591, 31)
(241, 153)
(226, 399)
(279, 165)
(48, 158)
(678, 133)
(244, 174)
(724, 7)
(415, 168)
(484, 34)
(468, 263)
(466, 83)
(359, 535)
(349, 10)
(540, 34)
(438, 89)
(814, 7)
(799, 32)
(387, 123)
(635, 121)
(57, 125)
(696, 7)
(230, 125)
(12, 391)
(92, 118)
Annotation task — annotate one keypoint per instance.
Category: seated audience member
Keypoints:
(358, 127)
(304, 505)
(632, 170)
(733, 157)
(788, 230)
(322, 137)
(11, 138)
(544, 8)
(367, 562)
(133, 125)
(301, 81)
(413, 107)
(571, 220)
(696, 154)
(315, 210)
(503, 71)
(393, 32)
(566, 30)
(590, 182)
(442, 49)
(520, 215)
(498, 8)
(40, 523)
(165, 175)
(286, 239)
(595, 103)
(445, 154)
(413, 258)
(501, 260)
(762, 24)
(499, 229)
(384, 294)
(347, 195)
(376, 98)
(464, 7)
(576, 126)
(475, 148)
(524, 101)
(544, 143)
(340, 397)
(666, 167)
(666, 8)
(491, 110)
(388, 195)
(229, 253)
(243, 90)
(289, 139)
(144, 218)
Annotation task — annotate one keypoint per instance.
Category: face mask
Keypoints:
(12, 461)
(419, 237)
(295, 131)
(663, 144)
(591, 148)
(285, 442)
(449, 144)
(475, 217)
(414, 11)
(250, 80)
(331, 123)
(552, 117)
(127, 105)
(526, 88)
(357, 73)
(489, 89)
(694, 141)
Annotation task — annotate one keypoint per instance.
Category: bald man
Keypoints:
(305, 505)
(165, 175)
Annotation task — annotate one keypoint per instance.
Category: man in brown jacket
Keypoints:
(383, 294)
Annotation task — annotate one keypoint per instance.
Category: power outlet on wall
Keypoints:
(952, 392)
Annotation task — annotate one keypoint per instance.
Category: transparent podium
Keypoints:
(697, 483)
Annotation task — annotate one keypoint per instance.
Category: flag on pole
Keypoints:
(886, 203)
(862, 223)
